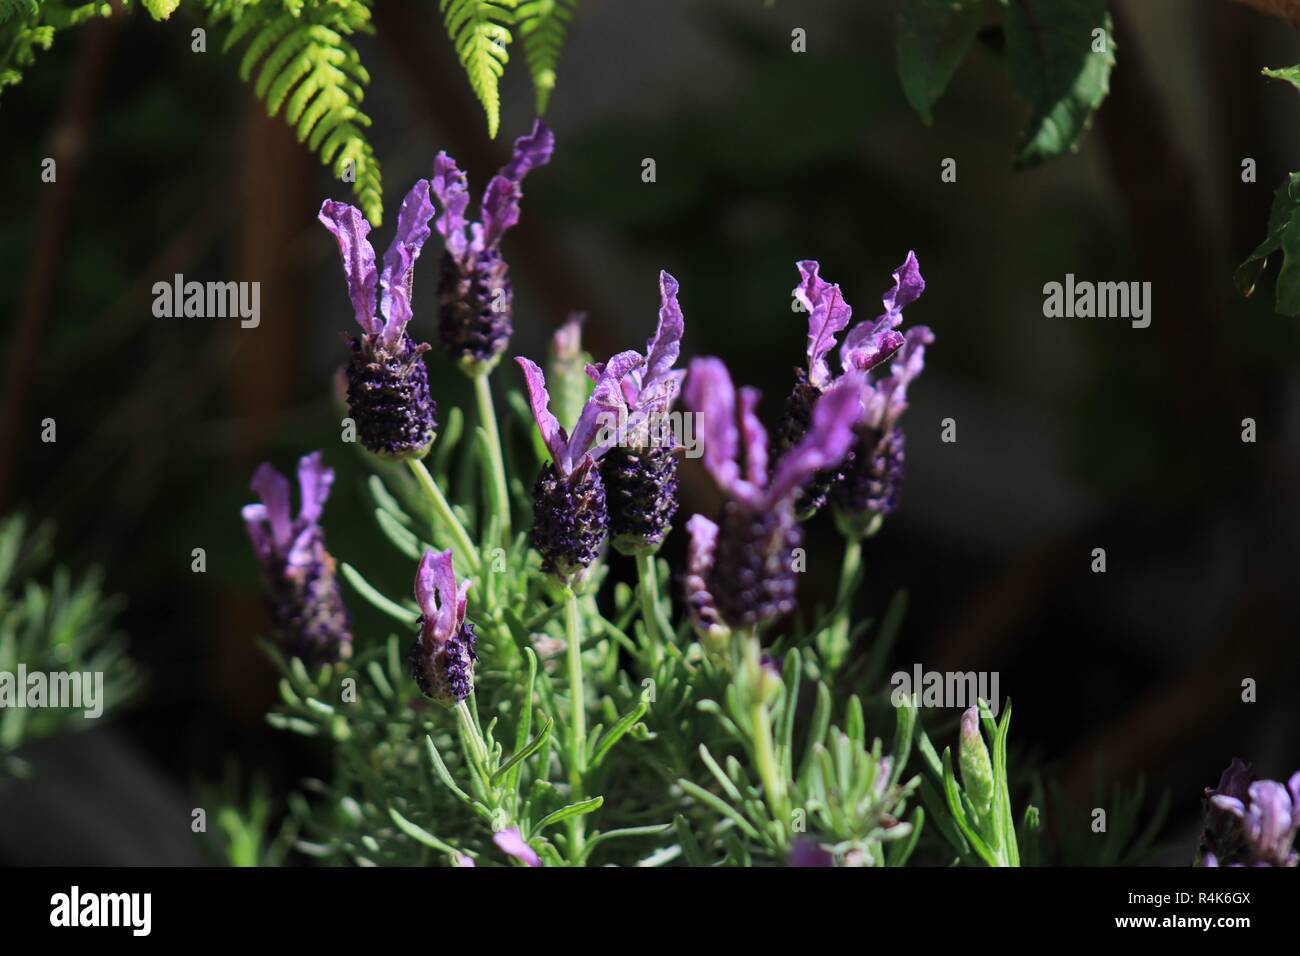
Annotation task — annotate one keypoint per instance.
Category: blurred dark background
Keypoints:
(1072, 433)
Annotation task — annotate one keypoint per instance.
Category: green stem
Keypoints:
(477, 746)
(578, 719)
(765, 757)
(488, 417)
(839, 642)
(648, 579)
(442, 511)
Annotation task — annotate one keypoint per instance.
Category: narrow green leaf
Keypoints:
(378, 600)
(572, 810)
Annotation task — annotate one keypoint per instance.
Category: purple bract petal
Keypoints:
(500, 209)
(350, 229)
(606, 400)
(314, 481)
(662, 350)
(828, 315)
(273, 488)
(754, 436)
(710, 393)
(441, 602)
(907, 288)
(540, 400)
(449, 185)
(511, 843)
(868, 345)
(830, 435)
(395, 282)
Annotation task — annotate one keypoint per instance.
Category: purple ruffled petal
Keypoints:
(273, 488)
(511, 843)
(754, 435)
(869, 345)
(828, 315)
(395, 283)
(830, 435)
(441, 602)
(540, 400)
(500, 209)
(452, 190)
(907, 288)
(710, 393)
(607, 400)
(259, 532)
(662, 350)
(350, 229)
(314, 481)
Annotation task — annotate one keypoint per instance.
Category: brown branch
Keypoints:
(1288, 10)
(67, 146)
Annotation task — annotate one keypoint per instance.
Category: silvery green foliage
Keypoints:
(53, 625)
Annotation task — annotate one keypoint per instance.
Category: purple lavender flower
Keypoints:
(570, 517)
(1250, 822)
(868, 345)
(752, 576)
(807, 852)
(871, 476)
(640, 471)
(443, 656)
(701, 609)
(474, 295)
(512, 843)
(388, 384)
(306, 604)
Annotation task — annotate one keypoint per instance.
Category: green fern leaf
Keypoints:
(161, 9)
(542, 28)
(480, 33)
(300, 62)
(27, 26)
(19, 9)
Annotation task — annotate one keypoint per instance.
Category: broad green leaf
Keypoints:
(1060, 54)
(932, 38)
(1283, 236)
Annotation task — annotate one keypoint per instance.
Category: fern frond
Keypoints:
(27, 26)
(306, 66)
(543, 25)
(479, 30)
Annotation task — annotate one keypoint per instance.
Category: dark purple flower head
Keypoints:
(640, 469)
(1251, 822)
(806, 852)
(570, 516)
(388, 384)
(443, 656)
(475, 296)
(752, 578)
(306, 604)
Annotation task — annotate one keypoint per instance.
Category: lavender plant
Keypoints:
(523, 710)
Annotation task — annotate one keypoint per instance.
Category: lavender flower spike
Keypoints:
(388, 384)
(752, 576)
(475, 297)
(570, 517)
(1251, 822)
(443, 656)
(640, 471)
(306, 604)
(866, 346)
